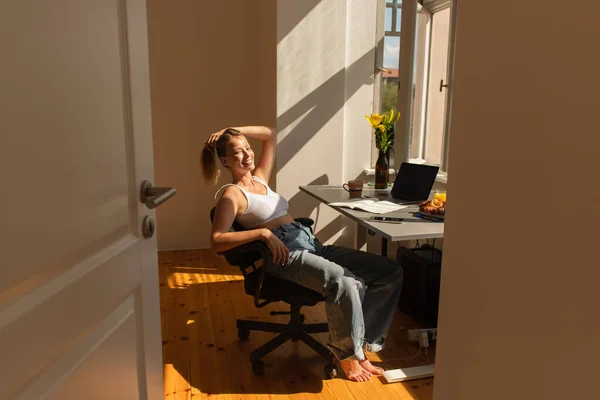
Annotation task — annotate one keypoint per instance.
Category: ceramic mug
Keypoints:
(354, 188)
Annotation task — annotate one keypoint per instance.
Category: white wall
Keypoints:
(212, 64)
(519, 297)
(325, 60)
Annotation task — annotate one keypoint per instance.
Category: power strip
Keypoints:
(405, 374)
(414, 335)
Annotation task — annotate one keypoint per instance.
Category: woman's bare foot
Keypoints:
(354, 371)
(366, 364)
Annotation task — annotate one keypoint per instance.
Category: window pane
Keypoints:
(398, 19)
(389, 81)
(391, 51)
(389, 95)
(387, 26)
(436, 106)
(419, 104)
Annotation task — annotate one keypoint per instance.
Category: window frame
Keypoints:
(406, 72)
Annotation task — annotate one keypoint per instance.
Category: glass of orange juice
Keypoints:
(440, 195)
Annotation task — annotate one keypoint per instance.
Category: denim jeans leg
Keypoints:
(343, 294)
(383, 280)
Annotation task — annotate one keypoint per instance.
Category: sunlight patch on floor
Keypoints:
(174, 383)
(181, 280)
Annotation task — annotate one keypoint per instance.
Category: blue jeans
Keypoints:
(361, 289)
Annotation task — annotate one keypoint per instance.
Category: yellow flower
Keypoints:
(383, 125)
(374, 120)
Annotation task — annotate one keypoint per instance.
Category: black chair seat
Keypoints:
(275, 289)
(267, 289)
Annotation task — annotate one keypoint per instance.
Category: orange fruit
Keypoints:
(437, 203)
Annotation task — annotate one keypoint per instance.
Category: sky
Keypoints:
(391, 45)
(391, 49)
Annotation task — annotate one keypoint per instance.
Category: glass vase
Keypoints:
(382, 171)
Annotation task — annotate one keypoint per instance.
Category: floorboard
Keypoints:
(202, 296)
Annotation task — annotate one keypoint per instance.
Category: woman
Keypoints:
(361, 289)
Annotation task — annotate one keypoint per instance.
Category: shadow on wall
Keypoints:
(303, 205)
(297, 11)
(321, 105)
(366, 178)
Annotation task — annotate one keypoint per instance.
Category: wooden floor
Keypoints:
(202, 296)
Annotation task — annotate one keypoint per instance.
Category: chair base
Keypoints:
(295, 330)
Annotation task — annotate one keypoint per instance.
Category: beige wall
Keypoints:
(519, 297)
(212, 64)
(325, 60)
(269, 66)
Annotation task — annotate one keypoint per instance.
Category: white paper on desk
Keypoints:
(369, 205)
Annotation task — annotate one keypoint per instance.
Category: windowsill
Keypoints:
(416, 161)
(441, 177)
(371, 171)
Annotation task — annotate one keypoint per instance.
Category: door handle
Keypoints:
(152, 196)
(442, 85)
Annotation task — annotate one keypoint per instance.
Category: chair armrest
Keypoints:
(245, 255)
(243, 248)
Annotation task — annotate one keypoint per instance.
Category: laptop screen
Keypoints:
(414, 181)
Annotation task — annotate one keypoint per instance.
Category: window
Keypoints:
(391, 45)
(425, 126)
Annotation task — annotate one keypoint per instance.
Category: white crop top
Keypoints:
(261, 207)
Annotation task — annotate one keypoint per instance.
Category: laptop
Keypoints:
(413, 184)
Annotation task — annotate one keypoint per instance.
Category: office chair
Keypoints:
(270, 289)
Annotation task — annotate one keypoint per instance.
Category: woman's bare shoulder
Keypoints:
(232, 192)
(233, 196)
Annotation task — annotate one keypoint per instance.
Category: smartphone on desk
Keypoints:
(393, 220)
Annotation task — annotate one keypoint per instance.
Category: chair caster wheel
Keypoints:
(243, 334)
(330, 371)
(258, 367)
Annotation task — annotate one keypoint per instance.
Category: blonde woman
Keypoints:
(361, 289)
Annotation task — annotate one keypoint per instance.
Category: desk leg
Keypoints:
(360, 237)
(384, 247)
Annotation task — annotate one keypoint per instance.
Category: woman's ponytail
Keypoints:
(208, 160)
(210, 154)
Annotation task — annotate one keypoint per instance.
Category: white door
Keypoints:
(79, 304)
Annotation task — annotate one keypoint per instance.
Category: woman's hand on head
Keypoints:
(281, 253)
(212, 139)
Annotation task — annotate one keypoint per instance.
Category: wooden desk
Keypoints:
(413, 228)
